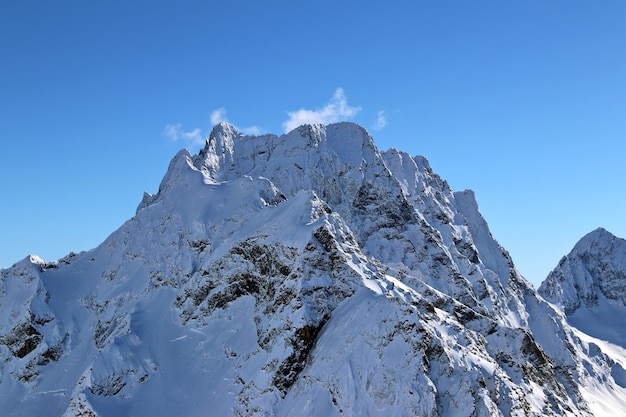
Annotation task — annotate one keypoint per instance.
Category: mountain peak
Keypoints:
(599, 236)
(590, 286)
(223, 129)
(307, 271)
(592, 273)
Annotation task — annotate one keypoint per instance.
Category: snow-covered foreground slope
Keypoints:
(307, 274)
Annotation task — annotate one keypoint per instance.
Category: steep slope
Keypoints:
(589, 285)
(302, 274)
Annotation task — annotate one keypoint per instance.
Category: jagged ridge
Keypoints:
(302, 274)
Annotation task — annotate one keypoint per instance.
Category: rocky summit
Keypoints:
(308, 274)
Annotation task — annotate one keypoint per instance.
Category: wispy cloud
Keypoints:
(197, 136)
(176, 133)
(218, 116)
(336, 110)
(381, 120)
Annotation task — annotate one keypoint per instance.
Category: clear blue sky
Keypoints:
(523, 102)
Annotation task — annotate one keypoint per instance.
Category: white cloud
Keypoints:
(176, 133)
(381, 120)
(197, 136)
(251, 130)
(336, 109)
(218, 116)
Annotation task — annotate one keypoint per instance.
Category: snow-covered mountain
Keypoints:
(589, 284)
(307, 274)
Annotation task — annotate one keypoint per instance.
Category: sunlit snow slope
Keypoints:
(589, 285)
(307, 274)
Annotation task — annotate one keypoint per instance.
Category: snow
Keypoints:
(304, 274)
(589, 286)
(605, 322)
(605, 399)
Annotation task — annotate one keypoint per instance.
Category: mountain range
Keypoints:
(310, 274)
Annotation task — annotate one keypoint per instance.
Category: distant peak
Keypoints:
(593, 238)
(594, 270)
(599, 233)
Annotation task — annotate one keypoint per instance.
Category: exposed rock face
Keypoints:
(302, 274)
